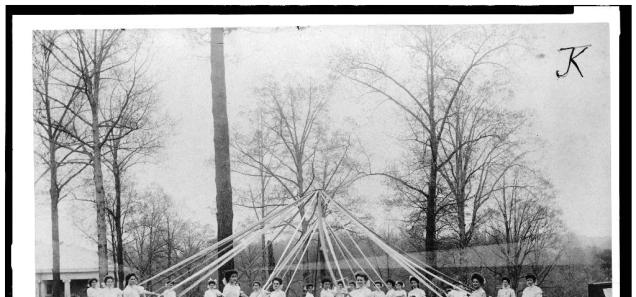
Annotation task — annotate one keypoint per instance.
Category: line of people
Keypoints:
(361, 287)
(132, 289)
(478, 282)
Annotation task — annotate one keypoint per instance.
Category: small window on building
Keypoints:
(49, 288)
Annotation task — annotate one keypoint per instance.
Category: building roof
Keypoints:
(72, 258)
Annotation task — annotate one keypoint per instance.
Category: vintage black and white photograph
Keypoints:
(323, 160)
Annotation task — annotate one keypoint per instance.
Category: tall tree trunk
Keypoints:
(263, 242)
(55, 226)
(118, 243)
(431, 203)
(100, 199)
(224, 215)
(113, 247)
(118, 227)
(98, 177)
(270, 255)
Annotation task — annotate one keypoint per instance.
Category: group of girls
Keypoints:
(132, 289)
(361, 287)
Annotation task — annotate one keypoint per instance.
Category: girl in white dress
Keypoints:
(110, 290)
(399, 291)
(133, 290)
(341, 291)
(212, 291)
(277, 285)
(378, 289)
(390, 288)
(232, 288)
(309, 289)
(93, 290)
(506, 290)
(478, 286)
(257, 291)
(325, 288)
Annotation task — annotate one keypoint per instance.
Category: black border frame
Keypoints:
(625, 80)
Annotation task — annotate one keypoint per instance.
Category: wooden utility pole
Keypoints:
(224, 213)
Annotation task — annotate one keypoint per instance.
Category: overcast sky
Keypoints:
(569, 116)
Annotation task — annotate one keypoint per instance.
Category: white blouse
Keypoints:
(110, 292)
(277, 293)
(478, 293)
(506, 292)
(92, 292)
(212, 293)
(231, 290)
(133, 291)
(417, 292)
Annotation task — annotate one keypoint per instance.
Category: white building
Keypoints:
(77, 266)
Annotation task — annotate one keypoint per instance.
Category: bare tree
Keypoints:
(441, 63)
(138, 136)
(261, 198)
(525, 226)
(94, 58)
(147, 232)
(481, 140)
(301, 153)
(53, 112)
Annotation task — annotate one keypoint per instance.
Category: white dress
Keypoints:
(277, 293)
(232, 290)
(212, 293)
(417, 292)
(506, 292)
(361, 292)
(259, 293)
(378, 293)
(110, 292)
(533, 291)
(326, 293)
(133, 291)
(478, 293)
(91, 292)
(399, 293)
(456, 293)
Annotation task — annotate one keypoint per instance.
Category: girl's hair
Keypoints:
(532, 277)
(212, 282)
(399, 283)
(478, 277)
(280, 281)
(390, 281)
(229, 273)
(90, 282)
(352, 283)
(340, 283)
(325, 280)
(106, 278)
(256, 283)
(129, 276)
(505, 279)
(361, 274)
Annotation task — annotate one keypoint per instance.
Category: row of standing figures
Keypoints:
(361, 287)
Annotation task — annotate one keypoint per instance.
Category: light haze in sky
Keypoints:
(569, 117)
